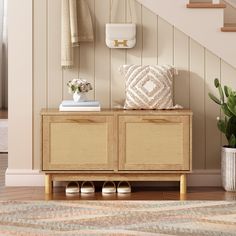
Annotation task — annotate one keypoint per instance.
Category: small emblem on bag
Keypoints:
(117, 43)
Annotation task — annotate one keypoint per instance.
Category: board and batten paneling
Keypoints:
(149, 37)
(197, 98)
(165, 42)
(181, 61)
(134, 55)
(118, 57)
(158, 42)
(102, 70)
(55, 74)
(213, 139)
(87, 56)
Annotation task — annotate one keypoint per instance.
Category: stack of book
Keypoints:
(68, 105)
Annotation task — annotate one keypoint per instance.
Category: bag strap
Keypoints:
(129, 5)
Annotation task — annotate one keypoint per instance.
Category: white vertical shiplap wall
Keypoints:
(157, 42)
(197, 101)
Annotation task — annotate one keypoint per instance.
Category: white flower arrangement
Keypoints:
(79, 86)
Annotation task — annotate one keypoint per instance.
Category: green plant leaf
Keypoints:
(214, 98)
(216, 82)
(227, 91)
(232, 141)
(231, 104)
(222, 97)
(226, 120)
(226, 110)
(222, 126)
(231, 127)
(218, 85)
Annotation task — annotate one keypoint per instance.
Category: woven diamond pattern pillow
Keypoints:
(148, 87)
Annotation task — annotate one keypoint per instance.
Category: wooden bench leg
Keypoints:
(48, 184)
(183, 184)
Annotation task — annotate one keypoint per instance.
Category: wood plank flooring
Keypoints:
(139, 193)
(3, 114)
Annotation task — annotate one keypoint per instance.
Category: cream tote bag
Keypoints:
(121, 35)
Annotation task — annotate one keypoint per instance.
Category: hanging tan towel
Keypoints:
(76, 27)
(66, 49)
(74, 23)
(85, 26)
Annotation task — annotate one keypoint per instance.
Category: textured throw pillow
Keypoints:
(148, 87)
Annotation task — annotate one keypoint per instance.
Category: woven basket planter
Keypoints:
(228, 168)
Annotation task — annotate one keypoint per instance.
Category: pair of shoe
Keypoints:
(110, 187)
(107, 188)
(74, 188)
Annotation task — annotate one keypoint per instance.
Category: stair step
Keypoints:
(205, 5)
(229, 28)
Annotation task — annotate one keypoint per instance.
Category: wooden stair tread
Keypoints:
(229, 28)
(205, 5)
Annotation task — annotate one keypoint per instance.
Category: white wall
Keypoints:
(157, 42)
(20, 83)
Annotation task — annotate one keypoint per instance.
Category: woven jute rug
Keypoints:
(118, 218)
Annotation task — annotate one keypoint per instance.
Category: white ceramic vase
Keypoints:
(228, 168)
(79, 97)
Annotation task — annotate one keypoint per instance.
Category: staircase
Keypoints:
(228, 27)
(202, 21)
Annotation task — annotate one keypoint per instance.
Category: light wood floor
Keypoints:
(139, 193)
(3, 114)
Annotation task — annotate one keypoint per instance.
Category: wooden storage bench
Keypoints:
(117, 145)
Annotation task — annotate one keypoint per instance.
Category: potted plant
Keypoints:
(227, 125)
(79, 88)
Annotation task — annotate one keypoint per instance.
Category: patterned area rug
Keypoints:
(118, 218)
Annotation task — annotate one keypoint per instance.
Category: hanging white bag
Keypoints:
(121, 35)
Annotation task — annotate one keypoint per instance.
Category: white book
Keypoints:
(71, 103)
(73, 108)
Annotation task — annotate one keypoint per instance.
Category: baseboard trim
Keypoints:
(199, 178)
(23, 178)
(205, 178)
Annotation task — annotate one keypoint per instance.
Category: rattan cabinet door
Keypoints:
(159, 143)
(78, 143)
